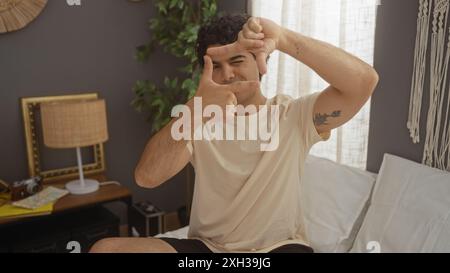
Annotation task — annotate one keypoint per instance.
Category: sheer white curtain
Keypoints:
(348, 24)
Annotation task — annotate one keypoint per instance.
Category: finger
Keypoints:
(254, 24)
(230, 109)
(226, 49)
(250, 34)
(244, 86)
(249, 43)
(233, 99)
(207, 68)
(261, 59)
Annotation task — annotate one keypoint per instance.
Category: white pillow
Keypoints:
(181, 233)
(333, 197)
(410, 209)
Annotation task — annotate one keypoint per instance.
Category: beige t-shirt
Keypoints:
(247, 200)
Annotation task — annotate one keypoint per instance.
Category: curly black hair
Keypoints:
(221, 30)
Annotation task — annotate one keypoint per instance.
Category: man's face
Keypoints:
(236, 66)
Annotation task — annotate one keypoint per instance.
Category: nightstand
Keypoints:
(75, 217)
(146, 219)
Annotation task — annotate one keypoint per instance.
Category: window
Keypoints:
(348, 24)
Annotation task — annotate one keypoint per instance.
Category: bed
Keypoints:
(404, 208)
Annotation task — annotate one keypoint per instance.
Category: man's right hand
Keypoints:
(259, 36)
(218, 94)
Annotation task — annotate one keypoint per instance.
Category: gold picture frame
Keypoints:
(30, 106)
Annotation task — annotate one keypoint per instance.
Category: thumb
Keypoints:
(225, 49)
(207, 68)
(244, 86)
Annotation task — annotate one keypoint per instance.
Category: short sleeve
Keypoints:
(190, 147)
(306, 122)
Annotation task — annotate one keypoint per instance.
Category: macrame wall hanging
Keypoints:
(437, 143)
(16, 14)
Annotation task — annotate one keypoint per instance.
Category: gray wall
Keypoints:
(394, 54)
(82, 49)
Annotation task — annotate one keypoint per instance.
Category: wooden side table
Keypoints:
(71, 203)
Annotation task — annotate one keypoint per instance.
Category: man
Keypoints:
(246, 199)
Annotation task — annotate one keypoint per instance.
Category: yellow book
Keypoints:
(8, 210)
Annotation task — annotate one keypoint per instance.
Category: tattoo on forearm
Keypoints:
(322, 119)
(297, 49)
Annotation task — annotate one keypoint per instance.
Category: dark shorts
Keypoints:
(197, 246)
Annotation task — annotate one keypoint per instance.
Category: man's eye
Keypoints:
(237, 62)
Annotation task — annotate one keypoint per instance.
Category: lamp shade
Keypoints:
(74, 123)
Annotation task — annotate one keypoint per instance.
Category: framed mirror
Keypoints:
(51, 164)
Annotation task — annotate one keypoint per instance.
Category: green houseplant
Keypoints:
(175, 29)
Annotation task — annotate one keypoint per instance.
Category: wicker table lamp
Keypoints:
(75, 124)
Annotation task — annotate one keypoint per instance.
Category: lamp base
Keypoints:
(74, 187)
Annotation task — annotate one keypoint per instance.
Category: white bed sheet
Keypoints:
(180, 233)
